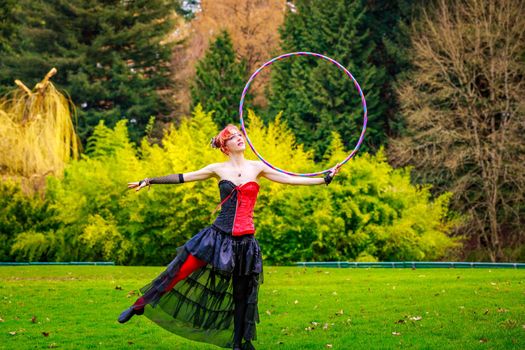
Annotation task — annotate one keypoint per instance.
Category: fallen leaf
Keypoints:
(12, 333)
(1, 319)
(340, 312)
(329, 346)
(500, 309)
(325, 326)
(396, 333)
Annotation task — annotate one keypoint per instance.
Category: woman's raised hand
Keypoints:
(335, 169)
(137, 185)
(330, 175)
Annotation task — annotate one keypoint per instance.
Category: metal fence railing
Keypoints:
(384, 264)
(58, 263)
(413, 264)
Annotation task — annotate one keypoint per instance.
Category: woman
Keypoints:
(221, 266)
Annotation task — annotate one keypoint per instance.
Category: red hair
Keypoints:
(219, 141)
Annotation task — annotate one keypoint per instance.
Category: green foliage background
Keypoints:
(111, 56)
(369, 212)
(219, 80)
(315, 95)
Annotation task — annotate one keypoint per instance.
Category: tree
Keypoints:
(252, 26)
(389, 23)
(465, 109)
(110, 55)
(315, 96)
(37, 135)
(7, 25)
(219, 81)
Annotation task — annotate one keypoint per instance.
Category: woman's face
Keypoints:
(235, 142)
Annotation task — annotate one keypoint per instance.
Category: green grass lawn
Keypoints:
(76, 307)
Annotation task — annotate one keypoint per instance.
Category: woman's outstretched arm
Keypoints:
(276, 176)
(201, 174)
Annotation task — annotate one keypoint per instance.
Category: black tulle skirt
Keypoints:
(201, 307)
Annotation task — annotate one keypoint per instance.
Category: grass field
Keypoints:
(76, 307)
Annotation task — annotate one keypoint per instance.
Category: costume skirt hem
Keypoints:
(201, 306)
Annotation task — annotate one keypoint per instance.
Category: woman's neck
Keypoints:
(237, 159)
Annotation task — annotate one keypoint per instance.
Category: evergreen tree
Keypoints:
(219, 81)
(7, 25)
(316, 97)
(109, 55)
(389, 22)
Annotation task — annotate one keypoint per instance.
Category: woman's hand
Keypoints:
(333, 171)
(138, 185)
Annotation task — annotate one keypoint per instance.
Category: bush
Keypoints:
(369, 212)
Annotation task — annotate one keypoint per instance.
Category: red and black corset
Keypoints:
(237, 203)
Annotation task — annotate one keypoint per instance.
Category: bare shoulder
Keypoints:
(218, 166)
(214, 167)
(257, 164)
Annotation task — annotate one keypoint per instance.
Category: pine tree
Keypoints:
(7, 25)
(110, 56)
(389, 22)
(316, 97)
(219, 81)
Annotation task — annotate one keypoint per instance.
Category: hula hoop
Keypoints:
(302, 53)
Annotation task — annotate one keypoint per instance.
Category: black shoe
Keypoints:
(128, 313)
(248, 346)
